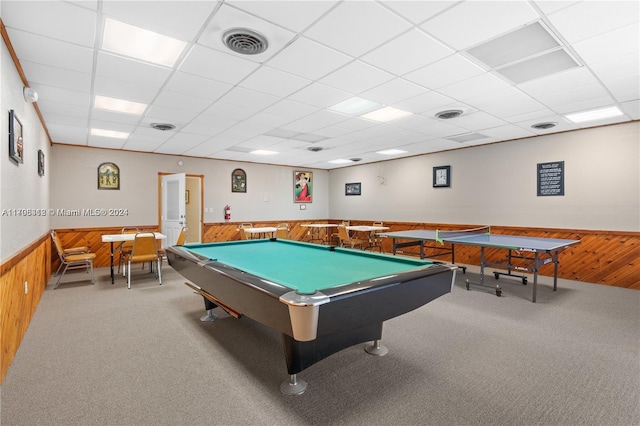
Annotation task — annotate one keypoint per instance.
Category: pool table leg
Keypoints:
(376, 349)
(293, 386)
(209, 305)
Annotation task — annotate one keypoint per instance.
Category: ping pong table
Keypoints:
(533, 252)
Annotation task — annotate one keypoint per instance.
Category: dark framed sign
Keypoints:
(551, 179)
(16, 143)
(238, 181)
(442, 176)
(108, 176)
(353, 188)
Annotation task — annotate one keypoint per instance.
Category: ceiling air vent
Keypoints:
(355, 159)
(245, 41)
(446, 115)
(163, 126)
(315, 148)
(544, 126)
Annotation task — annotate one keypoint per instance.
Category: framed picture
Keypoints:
(108, 176)
(302, 187)
(16, 143)
(352, 188)
(238, 181)
(40, 162)
(442, 176)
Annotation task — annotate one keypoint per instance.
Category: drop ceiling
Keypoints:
(421, 57)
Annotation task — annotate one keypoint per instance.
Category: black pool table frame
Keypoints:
(313, 326)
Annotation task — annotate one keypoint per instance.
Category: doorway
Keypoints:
(194, 213)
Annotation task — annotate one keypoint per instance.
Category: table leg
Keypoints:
(535, 277)
(112, 263)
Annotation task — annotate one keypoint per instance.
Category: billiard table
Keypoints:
(321, 298)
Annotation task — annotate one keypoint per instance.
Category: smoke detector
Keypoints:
(448, 114)
(245, 41)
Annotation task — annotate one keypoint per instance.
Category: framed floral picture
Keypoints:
(238, 181)
(16, 143)
(302, 187)
(108, 176)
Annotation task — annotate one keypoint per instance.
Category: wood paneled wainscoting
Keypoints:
(18, 301)
(602, 257)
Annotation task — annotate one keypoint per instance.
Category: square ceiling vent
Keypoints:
(524, 54)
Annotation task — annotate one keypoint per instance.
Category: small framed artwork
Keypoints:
(353, 188)
(442, 176)
(302, 187)
(108, 176)
(16, 143)
(238, 181)
(40, 162)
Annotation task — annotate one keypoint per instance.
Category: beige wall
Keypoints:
(496, 184)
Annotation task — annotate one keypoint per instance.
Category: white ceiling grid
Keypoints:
(410, 55)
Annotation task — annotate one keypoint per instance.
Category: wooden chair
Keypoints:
(347, 241)
(68, 250)
(72, 260)
(182, 236)
(283, 231)
(125, 247)
(144, 250)
(375, 242)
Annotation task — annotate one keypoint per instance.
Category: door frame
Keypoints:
(200, 195)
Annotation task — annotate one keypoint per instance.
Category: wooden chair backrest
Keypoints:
(144, 247)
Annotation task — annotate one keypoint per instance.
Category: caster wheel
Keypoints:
(524, 281)
(467, 283)
(496, 276)
(498, 292)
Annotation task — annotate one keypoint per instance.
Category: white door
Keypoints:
(173, 216)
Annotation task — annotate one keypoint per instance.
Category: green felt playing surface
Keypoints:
(304, 267)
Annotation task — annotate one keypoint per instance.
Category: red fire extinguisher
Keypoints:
(227, 212)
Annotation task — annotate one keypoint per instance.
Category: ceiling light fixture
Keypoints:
(596, 114)
(262, 152)
(386, 114)
(391, 152)
(355, 106)
(315, 148)
(109, 133)
(135, 42)
(340, 161)
(118, 105)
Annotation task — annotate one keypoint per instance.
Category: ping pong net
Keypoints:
(441, 236)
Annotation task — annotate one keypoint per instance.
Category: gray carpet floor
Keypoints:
(104, 355)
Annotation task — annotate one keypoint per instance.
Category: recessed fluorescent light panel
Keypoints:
(355, 106)
(263, 152)
(135, 42)
(391, 152)
(119, 105)
(596, 114)
(109, 133)
(386, 114)
(340, 161)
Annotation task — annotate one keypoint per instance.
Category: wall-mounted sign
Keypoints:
(551, 179)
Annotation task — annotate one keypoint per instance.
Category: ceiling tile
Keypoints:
(344, 29)
(119, 68)
(294, 15)
(446, 71)
(210, 63)
(471, 22)
(356, 77)
(57, 77)
(193, 85)
(309, 59)
(274, 82)
(320, 95)
(393, 91)
(407, 52)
